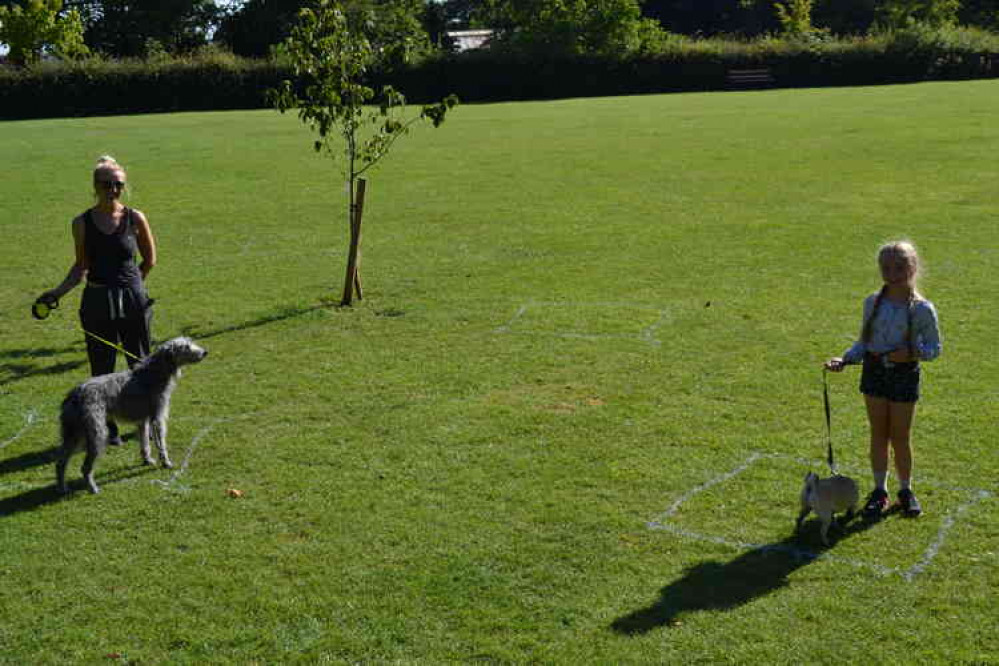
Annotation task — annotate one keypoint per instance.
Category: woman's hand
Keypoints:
(49, 297)
(835, 364)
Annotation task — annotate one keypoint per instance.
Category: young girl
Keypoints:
(899, 330)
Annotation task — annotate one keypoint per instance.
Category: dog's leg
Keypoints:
(805, 510)
(88, 470)
(147, 456)
(68, 446)
(160, 433)
(826, 522)
(96, 437)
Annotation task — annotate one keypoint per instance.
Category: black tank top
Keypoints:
(112, 256)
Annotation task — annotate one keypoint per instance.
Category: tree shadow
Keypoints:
(724, 586)
(20, 364)
(194, 331)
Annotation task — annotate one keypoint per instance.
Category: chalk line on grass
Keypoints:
(647, 334)
(172, 482)
(663, 522)
(948, 523)
(29, 420)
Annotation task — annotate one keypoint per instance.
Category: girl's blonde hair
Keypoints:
(891, 251)
(905, 250)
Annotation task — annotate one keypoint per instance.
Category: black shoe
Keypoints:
(909, 504)
(876, 504)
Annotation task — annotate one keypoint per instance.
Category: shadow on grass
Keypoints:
(39, 497)
(723, 586)
(20, 364)
(194, 331)
(11, 372)
(28, 461)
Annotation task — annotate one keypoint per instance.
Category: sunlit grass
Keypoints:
(576, 314)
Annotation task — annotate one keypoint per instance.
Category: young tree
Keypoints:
(332, 57)
(39, 25)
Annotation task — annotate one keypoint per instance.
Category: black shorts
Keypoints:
(898, 382)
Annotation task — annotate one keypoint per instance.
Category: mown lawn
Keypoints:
(567, 423)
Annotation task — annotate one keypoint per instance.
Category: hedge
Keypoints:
(108, 88)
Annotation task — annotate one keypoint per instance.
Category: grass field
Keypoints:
(569, 420)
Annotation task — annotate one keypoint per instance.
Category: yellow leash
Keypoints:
(112, 345)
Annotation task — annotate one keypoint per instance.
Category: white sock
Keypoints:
(905, 484)
(881, 481)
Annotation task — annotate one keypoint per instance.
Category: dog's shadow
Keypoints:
(723, 586)
(28, 461)
(39, 497)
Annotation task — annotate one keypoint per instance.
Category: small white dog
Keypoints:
(827, 497)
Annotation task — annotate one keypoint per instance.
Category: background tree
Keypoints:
(845, 17)
(124, 28)
(795, 17)
(40, 25)
(982, 13)
(332, 53)
(253, 29)
(899, 13)
(713, 17)
(569, 27)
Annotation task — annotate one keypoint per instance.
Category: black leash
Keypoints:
(825, 397)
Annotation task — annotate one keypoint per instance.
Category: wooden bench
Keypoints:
(742, 79)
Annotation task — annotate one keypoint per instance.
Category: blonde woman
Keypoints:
(114, 306)
(900, 329)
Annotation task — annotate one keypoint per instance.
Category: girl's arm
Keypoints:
(146, 241)
(926, 333)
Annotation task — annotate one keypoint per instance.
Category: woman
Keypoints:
(115, 305)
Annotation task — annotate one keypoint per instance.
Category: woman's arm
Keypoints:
(146, 241)
(78, 271)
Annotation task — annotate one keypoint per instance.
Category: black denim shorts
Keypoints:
(898, 382)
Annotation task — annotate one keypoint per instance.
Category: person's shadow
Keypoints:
(721, 586)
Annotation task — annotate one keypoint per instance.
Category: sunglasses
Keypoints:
(112, 184)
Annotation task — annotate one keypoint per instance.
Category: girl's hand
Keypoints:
(901, 356)
(835, 364)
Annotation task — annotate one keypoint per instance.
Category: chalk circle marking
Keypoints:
(665, 523)
(29, 420)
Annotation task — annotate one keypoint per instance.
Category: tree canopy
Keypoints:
(402, 30)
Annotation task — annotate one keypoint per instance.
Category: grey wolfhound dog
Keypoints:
(141, 395)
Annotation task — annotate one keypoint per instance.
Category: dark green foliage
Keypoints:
(98, 88)
(125, 28)
(912, 54)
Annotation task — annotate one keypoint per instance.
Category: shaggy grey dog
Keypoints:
(140, 395)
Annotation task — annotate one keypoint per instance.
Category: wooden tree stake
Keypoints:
(352, 282)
